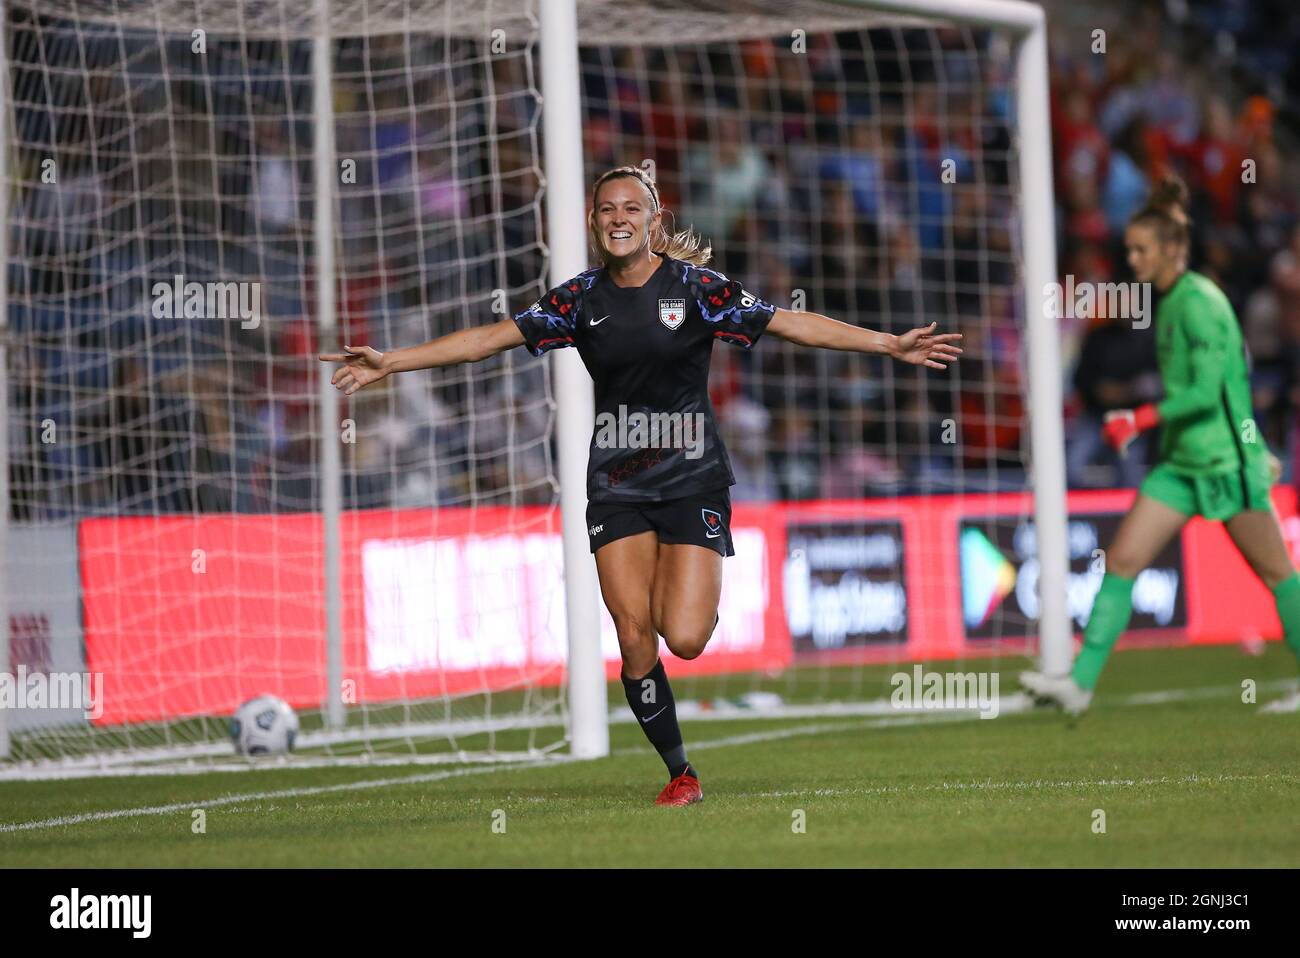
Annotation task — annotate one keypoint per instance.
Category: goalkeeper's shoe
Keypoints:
(1287, 704)
(683, 790)
(1060, 690)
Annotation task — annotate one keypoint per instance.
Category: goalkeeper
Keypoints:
(1212, 461)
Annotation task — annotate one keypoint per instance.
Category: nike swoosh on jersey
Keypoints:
(597, 322)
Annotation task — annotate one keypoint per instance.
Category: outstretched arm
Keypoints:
(462, 346)
(920, 346)
(363, 365)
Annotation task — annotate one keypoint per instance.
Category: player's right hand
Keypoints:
(362, 366)
(1122, 426)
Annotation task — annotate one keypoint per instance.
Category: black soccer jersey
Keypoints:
(647, 349)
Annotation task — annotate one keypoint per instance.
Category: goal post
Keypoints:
(1047, 451)
(324, 164)
(567, 243)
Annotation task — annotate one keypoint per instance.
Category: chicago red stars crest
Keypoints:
(672, 312)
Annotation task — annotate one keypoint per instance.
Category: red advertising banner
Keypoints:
(194, 615)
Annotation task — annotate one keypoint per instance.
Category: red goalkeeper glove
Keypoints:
(1122, 426)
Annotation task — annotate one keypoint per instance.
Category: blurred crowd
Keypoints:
(869, 177)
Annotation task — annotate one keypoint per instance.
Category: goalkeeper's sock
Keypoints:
(1110, 614)
(1287, 597)
(651, 699)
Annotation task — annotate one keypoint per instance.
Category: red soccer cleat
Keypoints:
(683, 790)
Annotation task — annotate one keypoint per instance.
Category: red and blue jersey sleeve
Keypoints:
(551, 321)
(737, 316)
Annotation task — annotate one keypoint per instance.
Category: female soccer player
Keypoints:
(1212, 462)
(644, 323)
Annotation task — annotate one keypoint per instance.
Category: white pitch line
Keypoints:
(266, 796)
(749, 739)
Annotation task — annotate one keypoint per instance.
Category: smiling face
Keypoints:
(624, 218)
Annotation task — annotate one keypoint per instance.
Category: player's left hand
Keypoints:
(924, 347)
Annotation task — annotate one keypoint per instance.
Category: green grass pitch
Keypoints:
(1197, 778)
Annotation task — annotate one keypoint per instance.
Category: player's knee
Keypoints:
(687, 643)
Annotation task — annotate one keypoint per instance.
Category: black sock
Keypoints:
(651, 699)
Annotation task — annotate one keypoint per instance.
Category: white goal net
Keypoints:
(166, 506)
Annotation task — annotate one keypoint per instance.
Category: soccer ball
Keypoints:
(264, 726)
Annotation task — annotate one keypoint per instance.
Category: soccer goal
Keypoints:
(197, 198)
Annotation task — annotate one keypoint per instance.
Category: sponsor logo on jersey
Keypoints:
(596, 530)
(672, 312)
(712, 523)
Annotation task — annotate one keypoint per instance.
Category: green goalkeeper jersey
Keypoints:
(1207, 424)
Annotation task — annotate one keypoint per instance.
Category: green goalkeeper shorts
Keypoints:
(1214, 497)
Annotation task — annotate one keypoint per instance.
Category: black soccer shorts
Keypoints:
(703, 519)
